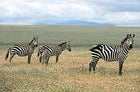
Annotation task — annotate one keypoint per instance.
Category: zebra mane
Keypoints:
(33, 40)
(62, 43)
(125, 39)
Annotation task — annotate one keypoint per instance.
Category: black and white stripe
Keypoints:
(46, 51)
(23, 50)
(112, 53)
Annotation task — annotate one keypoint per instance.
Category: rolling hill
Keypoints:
(76, 23)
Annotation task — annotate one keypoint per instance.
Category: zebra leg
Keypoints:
(29, 58)
(43, 60)
(57, 57)
(11, 57)
(47, 60)
(93, 64)
(40, 56)
(120, 67)
(40, 59)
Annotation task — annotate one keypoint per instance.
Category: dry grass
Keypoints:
(70, 74)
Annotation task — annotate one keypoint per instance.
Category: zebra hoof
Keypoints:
(89, 69)
(120, 74)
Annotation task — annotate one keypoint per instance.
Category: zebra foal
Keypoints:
(46, 51)
(22, 50)
(112, 53)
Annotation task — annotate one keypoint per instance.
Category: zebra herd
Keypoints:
(98, 51)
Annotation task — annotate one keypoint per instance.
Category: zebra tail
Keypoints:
(7, 54)
(38, 53)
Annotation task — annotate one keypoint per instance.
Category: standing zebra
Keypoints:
(46, 51)
(112, 53)
(23, 50)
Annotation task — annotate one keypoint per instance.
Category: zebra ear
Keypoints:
(128, 35)
(133, 35)
(34, 37)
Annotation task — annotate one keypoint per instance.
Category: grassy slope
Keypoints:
(79, 36)
(70, 74)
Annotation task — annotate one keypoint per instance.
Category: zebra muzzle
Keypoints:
(131, 46)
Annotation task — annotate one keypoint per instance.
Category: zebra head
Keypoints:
(34, 42)
(129, 41)
(65, 45)
(68, 47)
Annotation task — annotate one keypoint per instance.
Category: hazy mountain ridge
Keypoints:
(83, 23)
(77, 23)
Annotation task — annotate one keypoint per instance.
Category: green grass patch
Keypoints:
(79, 36)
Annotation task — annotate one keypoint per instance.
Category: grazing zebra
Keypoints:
(112, 53)
(23, 50)
(46, 51)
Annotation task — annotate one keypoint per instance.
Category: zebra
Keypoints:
(112, 53)
(46, 51)
(22, 50)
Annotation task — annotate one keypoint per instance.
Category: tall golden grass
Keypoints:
(70, 74)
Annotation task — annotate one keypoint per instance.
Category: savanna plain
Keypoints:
(71, 73)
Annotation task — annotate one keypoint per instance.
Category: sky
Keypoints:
(29, 12)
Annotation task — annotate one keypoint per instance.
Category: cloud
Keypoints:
(119, 5)
(117, 12)
(34, 11)
(123, 18)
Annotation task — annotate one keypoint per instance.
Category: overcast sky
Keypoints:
(117, 12)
